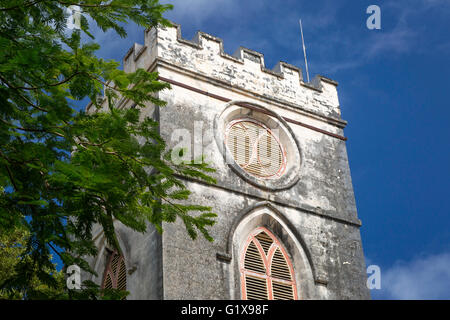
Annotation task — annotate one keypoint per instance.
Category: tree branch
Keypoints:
(51, 84)
(22, 5)
(31, 129)
(25, 99)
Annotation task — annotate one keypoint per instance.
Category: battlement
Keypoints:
(242, 54)
(245, 69)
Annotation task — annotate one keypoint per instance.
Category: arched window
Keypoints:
(266, 271)
(115, 275)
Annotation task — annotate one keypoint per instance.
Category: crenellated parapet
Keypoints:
(204, 55)
(245, 69)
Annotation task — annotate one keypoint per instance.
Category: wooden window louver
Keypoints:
(115, 276)
(266, 271)
(255, 148)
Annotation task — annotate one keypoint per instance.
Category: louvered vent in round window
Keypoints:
(255, 148)
(266, 273)
(115, 276)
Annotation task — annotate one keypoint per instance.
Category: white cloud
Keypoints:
(423, 278)
(399, 40)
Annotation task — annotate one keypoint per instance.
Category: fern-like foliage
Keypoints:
(63, 171)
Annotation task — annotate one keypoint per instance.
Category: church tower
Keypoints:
(287, 226)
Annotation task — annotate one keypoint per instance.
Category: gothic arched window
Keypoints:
(266, 271)
(115, 275)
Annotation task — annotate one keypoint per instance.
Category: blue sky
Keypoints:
(393, 89)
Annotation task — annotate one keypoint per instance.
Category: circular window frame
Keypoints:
(240, 110)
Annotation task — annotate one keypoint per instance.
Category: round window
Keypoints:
(255, 148)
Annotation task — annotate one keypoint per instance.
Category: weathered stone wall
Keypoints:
(316, 217)
(321, 206)
(143, 258)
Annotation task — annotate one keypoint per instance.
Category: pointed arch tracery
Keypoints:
(115, 275)
(266, 270)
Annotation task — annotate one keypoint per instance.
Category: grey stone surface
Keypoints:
(315, 218)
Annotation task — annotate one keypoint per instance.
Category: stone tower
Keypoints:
(287, 224)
